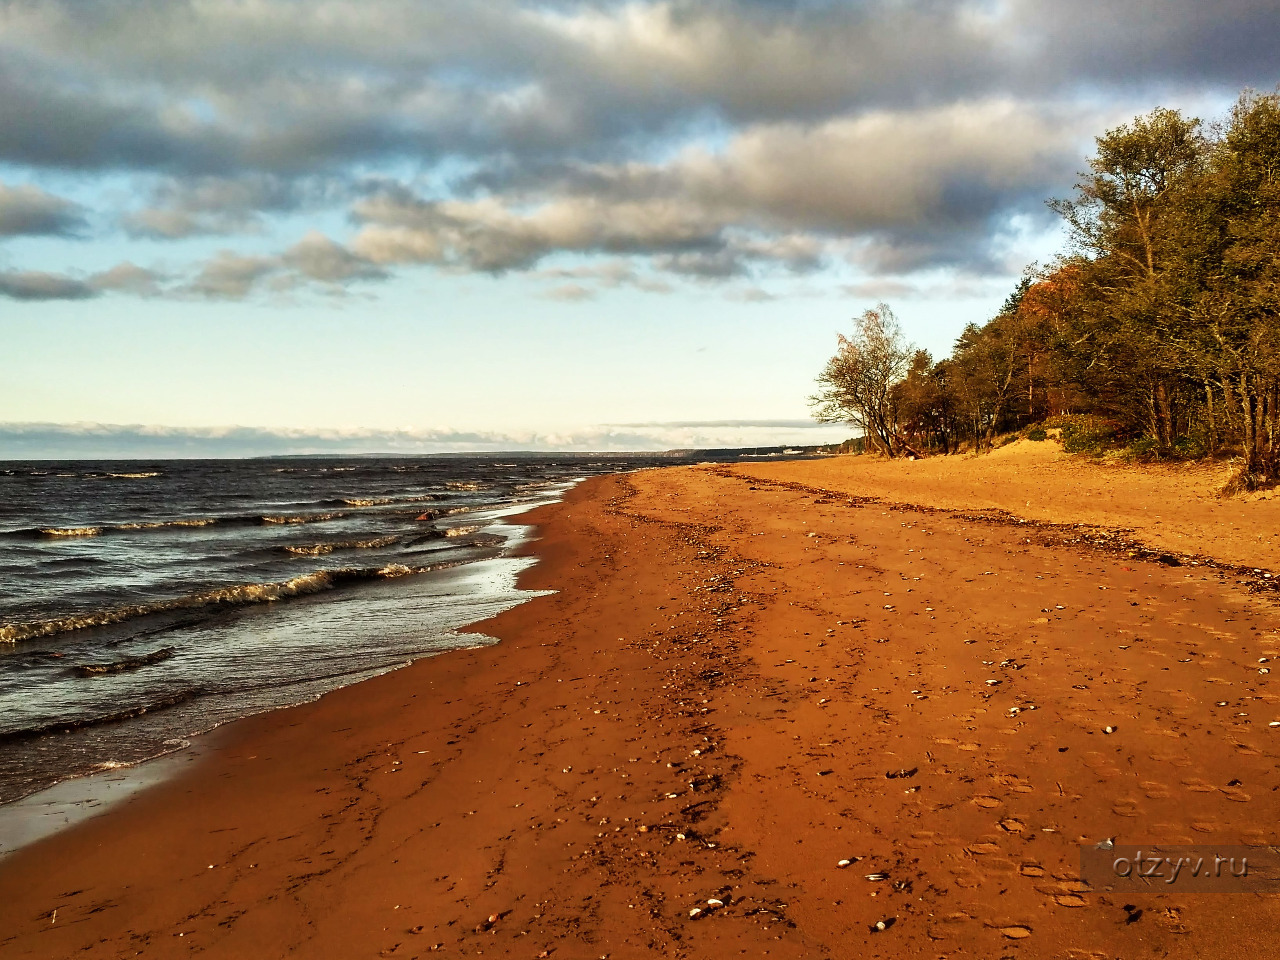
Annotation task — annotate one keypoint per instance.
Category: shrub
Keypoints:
(1037, 434)
(1084, 433)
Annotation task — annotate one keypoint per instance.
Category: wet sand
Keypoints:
(748, 675)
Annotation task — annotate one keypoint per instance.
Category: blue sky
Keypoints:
(399, 225)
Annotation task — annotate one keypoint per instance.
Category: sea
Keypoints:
(142, 604)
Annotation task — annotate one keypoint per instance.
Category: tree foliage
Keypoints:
(1160, 323)
(857, 384)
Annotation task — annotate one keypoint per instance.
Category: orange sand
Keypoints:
(708, 710)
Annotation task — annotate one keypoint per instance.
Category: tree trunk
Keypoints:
(1213, 423)
(1164, 415)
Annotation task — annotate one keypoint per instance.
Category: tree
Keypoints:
(1238, 307)
(1127, 223)
(857, 384)
(927, 405)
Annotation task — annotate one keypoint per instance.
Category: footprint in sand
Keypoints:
(922, 840)
(1032, 870)
(1236, 794)
(947, 926)
(1016, 931)
(1015, 783)
(1153, 790)
(987, 803)
(1198, 786)
(1070, 900)
(1126, 808)
(982, 848)
(1012, 825)
(966, 877)
(1205, 826)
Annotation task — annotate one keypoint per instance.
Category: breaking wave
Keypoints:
(108, 528)
(386, 501)
(240, 595)
(96, 530)
(321, 549)
(302, 518)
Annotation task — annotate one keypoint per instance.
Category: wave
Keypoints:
(386, 501)
(134, 476)
(320, 549)
(301, 518)
(239, 595)
(126, 663)
(461, 531)
(165, 524)
(128, 713)
(98, 530)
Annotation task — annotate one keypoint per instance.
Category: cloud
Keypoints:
(38, 285)
(317, 257)
(97, 440)
(128, 277)
(197, 206)
(314, 260)
(274, 86)
(703, 140)
(925, 187)
(26, 210)
(570, 292)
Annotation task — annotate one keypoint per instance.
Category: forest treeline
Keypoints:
(1157, 330)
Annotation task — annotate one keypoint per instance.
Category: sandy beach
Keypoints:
(950, 673)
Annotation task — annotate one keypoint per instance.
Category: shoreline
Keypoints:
(479, 584)
(701, 719)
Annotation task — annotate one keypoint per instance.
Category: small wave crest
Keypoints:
(125, 664)
(461, 531)
(321, 549)
(386, 501)
(234, 596)
(98, 530)
(166, 524)
(301, 518)
(58, 532)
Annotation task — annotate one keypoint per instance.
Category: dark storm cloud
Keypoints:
(898, 134)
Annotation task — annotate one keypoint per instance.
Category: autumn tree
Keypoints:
(857, 384)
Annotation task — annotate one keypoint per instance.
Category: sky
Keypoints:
(236, 227)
